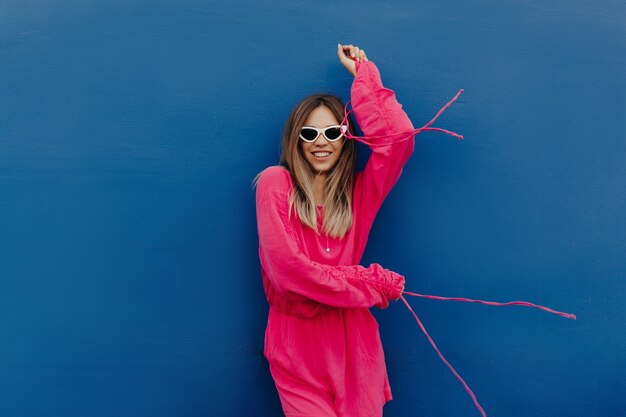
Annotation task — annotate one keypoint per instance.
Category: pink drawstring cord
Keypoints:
(409, 133)
(494, 303)
(436, 297)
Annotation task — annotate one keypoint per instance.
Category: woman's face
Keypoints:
(321, 117)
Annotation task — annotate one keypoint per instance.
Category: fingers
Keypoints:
(354, 52)
(345, 48)
(344, 52)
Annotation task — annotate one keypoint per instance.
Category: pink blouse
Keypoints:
(299, 274)
(320, 332)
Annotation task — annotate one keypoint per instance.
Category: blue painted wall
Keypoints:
(130, 132)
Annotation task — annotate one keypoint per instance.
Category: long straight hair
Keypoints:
(337, 219)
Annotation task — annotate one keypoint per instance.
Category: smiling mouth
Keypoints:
(321, 155)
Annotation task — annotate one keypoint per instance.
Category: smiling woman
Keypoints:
(321, 340)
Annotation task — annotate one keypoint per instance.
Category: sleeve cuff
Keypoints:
(395, 285)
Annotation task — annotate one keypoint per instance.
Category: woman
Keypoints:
(322, 342)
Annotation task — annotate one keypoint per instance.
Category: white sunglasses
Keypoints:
(332, 133)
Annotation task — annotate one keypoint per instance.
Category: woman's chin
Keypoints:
(321, 165)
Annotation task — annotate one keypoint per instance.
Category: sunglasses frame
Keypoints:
(342, 128)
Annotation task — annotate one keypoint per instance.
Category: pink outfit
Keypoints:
(321, 341)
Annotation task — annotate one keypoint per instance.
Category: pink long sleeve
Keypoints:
(378, 113)
(295, 276)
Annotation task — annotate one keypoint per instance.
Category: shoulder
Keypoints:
(274, 178)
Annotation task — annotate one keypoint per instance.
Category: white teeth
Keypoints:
(321, 154)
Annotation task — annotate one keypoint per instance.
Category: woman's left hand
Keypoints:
(348, 54)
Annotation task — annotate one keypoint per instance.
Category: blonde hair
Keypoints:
(337, 203)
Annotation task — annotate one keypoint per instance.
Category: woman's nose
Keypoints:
(320, 138)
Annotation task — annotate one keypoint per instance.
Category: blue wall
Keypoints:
(129, 135)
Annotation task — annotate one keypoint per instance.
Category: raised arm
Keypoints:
(378, 113)
(294, 275)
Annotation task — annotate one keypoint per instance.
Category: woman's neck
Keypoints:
(319, 188)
